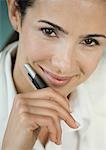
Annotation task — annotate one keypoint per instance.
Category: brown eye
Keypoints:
(50, 32)
(90, 42)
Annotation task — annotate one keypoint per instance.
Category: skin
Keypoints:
(63, 53)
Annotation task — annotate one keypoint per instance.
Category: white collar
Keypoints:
(11, 91)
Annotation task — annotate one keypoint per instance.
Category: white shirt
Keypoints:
(88, 103)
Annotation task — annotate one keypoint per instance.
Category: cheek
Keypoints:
(37, 50)
(33, 47)
(89, 62)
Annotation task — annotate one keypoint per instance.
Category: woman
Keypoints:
(63, 41)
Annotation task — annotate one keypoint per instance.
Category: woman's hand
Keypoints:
(32, 111)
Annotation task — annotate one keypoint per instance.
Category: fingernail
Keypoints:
(59, 140)
(56, 139)
(77, 124)
(53, 138)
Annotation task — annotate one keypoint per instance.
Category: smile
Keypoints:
(55, 79)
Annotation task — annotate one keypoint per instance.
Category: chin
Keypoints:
(65, 91)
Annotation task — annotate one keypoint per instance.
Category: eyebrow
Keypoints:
(54, 25)
(66, 32)
(94, 35)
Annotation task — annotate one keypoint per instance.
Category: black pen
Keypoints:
(34, 77)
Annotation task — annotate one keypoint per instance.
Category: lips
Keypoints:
(54, 78)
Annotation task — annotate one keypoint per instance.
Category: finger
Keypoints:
(50, 113)
(41, 120)
(61, 113)
(44, 103)
(44, 112)
(49, 94)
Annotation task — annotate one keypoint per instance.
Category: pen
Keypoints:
(34, 77)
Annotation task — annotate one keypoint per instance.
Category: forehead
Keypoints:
(73, 2)
(70, 7)
(75, 13)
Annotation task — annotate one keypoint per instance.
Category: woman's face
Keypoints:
(63, 41)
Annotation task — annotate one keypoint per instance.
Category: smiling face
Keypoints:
(62, 40)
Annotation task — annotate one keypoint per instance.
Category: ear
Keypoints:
(14, 15)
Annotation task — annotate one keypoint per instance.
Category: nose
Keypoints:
(64, 60)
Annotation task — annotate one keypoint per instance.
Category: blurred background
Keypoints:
(5, 27)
